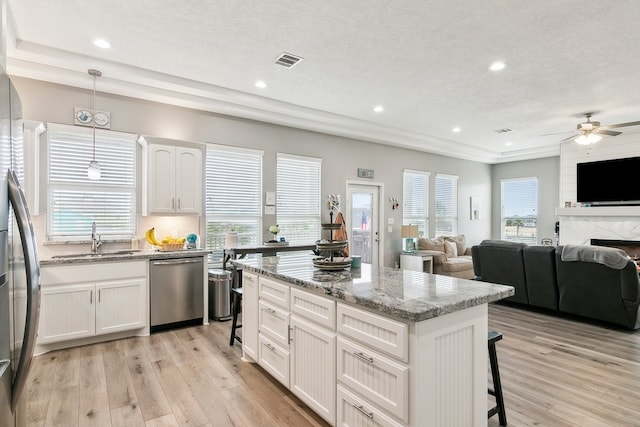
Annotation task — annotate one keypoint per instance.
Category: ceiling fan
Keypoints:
(589, 132)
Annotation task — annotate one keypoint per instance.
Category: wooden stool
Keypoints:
(494, 336)
(236, 300)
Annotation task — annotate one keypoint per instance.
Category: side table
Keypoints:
(416, 262)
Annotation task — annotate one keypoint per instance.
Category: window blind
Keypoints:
(298, 197)
(415, 200)
(74, 201)
(519, 199)
(446, 205)
(233, 196)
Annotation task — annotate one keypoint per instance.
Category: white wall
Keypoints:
(547, 171)
(341, 156)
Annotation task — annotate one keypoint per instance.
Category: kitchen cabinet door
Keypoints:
(161, 183)
(120, 305)
(66, 313)
(313, 366)
(188, 181)
(250, 315)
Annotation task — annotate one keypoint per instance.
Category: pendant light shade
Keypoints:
(93, 172)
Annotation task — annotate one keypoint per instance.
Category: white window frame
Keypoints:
(527, 220)
(413, 212)
(452, 216)
(233, 192)
(110, 201)
(298, 201)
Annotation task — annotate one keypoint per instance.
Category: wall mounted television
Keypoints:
(609, 182)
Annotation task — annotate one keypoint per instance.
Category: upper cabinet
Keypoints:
(172, 177)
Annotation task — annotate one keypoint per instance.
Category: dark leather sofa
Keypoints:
(542, 279)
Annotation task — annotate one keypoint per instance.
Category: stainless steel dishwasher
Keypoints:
(176, 288)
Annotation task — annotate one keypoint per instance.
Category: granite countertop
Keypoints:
(409, 295)
(122, 255)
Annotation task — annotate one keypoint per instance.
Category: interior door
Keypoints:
(364, 222)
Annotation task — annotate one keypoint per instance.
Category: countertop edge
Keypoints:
(136, 256)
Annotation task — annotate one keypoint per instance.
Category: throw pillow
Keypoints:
(430, 244)
(450, 249)
(460, 241)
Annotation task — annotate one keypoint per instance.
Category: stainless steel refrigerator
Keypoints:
(19, 267)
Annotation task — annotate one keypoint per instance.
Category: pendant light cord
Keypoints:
(94, 115)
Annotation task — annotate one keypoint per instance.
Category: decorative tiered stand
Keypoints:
(326, 249)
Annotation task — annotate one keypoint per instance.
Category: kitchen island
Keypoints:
(371, 346)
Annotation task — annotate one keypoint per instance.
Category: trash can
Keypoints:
(219, 295)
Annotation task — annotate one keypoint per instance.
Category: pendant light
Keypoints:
(94, 167)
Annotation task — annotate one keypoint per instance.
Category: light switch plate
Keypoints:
(389, 229)
(391, 221)
(269, 210)
(270, 198)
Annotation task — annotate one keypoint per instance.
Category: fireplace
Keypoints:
(631, 247)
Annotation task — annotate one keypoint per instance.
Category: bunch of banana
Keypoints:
(169, 240)
(150, 235)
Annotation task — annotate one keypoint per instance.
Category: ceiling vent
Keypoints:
(503, 130)
(287, 60)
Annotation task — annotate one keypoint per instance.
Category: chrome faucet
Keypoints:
(95, 239)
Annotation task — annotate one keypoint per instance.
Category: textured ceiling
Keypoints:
(426, 61)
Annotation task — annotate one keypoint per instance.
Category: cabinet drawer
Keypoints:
(354, 411)
(314, 307)
(274, 359)
(276, 292)
(274, 322)
(370, 374)
(249, 277)
(380, 333)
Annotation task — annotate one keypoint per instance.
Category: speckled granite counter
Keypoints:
(123, 255)
(405, 294)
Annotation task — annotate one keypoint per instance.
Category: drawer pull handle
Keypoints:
(270, 347)
(360, 408)
(271, 310)
(361, 356)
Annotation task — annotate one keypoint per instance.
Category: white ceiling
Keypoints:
(426, 61)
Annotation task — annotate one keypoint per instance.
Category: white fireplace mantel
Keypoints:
(579, 225)
(600, 211)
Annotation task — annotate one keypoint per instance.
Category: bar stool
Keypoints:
(236, 300)
(493, 337)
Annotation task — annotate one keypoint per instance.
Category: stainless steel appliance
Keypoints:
(19, 267)
(176, 287)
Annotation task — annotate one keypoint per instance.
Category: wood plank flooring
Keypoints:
(555, 372)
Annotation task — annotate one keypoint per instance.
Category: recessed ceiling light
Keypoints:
(456, 129)
(260, 84)
(497, 66)
(378, 108)
(508, 144)
(102, 43)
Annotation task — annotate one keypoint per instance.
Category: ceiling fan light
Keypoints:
(592, 138)
(582, 140)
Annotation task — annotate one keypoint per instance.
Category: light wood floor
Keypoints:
(555, 372)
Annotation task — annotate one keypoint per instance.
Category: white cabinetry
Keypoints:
(296, 339)
(76, 305)
(250, 315)
(172, 178)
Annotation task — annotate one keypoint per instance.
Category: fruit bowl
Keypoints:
(171, 246)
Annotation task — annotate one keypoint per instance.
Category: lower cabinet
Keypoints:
(353, 411)
(351, 372)
(313, 366)
(73, 306)
(250, 315)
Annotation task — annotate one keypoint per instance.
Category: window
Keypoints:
(233, 196)
(415, 200)
(74, 201)
(446, 205)
(519, 210)
(298, 197)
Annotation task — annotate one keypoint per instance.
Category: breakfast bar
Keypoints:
(370, 346)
